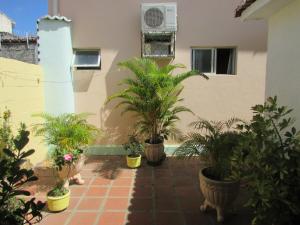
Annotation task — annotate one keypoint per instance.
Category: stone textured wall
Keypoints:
(19, 51)
(15, 47)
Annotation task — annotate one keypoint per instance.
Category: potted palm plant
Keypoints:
(214, 142)
(135, 148)
(68, 135)
(153, 96)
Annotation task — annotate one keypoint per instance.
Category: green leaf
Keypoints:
(8, 152)
(21, 192)
(28, 153)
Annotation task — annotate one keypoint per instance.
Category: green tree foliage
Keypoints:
(6, 135)
(13, 209)
(268, 158)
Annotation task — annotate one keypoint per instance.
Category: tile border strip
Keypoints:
(118, 150)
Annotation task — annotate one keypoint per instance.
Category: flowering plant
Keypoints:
(68, 134)
(62, 157)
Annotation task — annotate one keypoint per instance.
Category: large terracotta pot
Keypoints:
(69, 171)
(154, 152)
(219, 195)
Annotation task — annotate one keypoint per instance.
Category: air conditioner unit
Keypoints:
(159, 17)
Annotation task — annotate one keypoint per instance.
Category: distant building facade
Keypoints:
(19, 48)
(6, 24)
(16, 47)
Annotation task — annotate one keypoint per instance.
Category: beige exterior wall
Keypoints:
(6, 24)
(283, 73)
(21, 93)
(114, 27)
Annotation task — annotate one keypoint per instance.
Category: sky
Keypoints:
(25, 13)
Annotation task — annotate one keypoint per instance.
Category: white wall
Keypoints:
(283, 67)
(55, 54)
(6, 24)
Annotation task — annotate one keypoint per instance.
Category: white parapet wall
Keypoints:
(283, 73)
(55, 56)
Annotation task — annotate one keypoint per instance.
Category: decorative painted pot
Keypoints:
(68, 171)
(219, 195)
(56, 204)
(133, 162)
(154, 152)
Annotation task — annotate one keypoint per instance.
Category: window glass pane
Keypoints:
(86, 58)
(202, 60)
(225, 61)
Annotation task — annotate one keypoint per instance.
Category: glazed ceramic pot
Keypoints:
(56, 204)
(133, 162)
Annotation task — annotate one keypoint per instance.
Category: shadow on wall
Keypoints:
(118, 126)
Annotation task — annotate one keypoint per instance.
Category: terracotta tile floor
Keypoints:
(116, 195)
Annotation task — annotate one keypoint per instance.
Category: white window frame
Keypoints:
(87, 65)
(214, 60)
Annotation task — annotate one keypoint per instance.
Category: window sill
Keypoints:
(87, 68)
(219, 75)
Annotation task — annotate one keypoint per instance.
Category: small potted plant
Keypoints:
(70, 134)
(64, 162)
(135, 148)
(58, 198)
(214, 142)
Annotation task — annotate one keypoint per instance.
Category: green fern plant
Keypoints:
(68, 133)
(215, 141)
(153, 95)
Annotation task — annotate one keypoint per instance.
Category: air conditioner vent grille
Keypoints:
(154, 17)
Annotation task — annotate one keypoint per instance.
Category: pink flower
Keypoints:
(68, 157)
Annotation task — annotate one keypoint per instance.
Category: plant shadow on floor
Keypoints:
(110, 167)
(170, 194)
(166, 194)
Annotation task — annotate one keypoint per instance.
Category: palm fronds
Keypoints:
(153, 96)
(66, 131)
(213, 139)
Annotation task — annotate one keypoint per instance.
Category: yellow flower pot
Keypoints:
(56, 204)
(133, 162)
